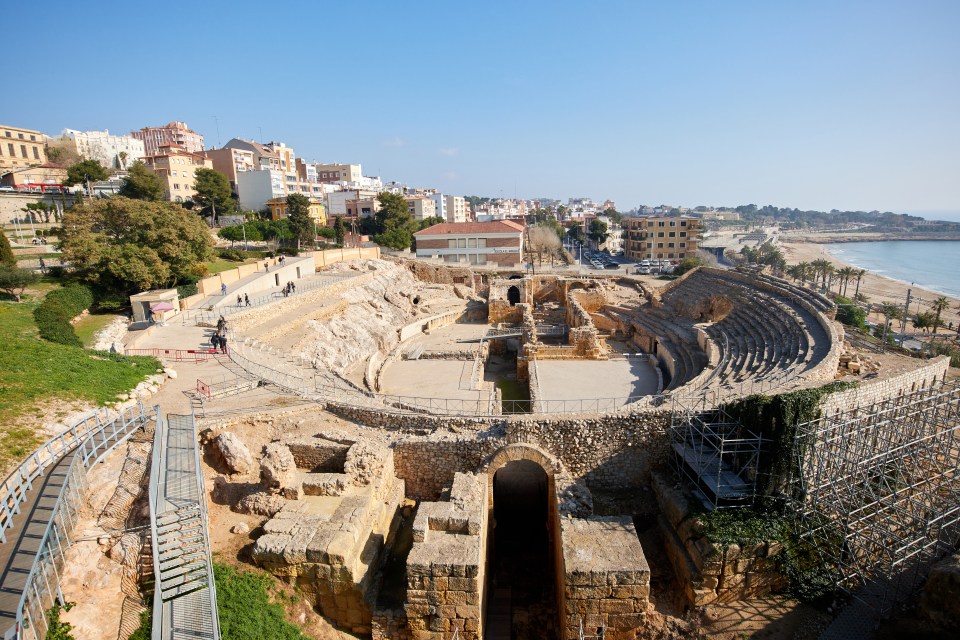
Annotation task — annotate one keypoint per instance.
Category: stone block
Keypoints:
(612, 605)
(456, 597)
(467, 611)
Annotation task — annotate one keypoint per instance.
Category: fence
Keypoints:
(211, 314)
(43, 582)
(176, 355)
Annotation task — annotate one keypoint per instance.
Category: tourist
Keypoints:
(215, 341)
(239, 300)
(266, 266)
(223, 343)
(223, 289)
(43, 266)
(246, 300)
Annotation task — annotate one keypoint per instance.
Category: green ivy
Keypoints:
(57, 630)
(776, 419)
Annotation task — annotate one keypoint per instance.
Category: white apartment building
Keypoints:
(456, 209)
(114, 152)
(256, 187)
(440, 205)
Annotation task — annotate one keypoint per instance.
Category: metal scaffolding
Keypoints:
(716, 455)
(878, 491)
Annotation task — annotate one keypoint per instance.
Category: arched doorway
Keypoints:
(513, 295)
(522, 581)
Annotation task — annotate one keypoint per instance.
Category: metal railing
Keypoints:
(176, 355)
(211, 315)
(14, 489)
(43, 582)
(185, 595)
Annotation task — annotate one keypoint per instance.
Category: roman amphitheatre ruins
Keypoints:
(422, 451)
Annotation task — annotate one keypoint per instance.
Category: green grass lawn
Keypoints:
(218, 264)
(34, 372)
(87, 328)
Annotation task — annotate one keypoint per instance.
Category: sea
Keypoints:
(931, 264)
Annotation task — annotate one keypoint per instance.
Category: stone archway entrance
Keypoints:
(521, 555)
(513, 295)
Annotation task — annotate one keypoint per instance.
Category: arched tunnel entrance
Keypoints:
(513, 295)
(522, 582)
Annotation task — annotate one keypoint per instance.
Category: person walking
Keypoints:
(215, 341)
(43, 266)
(223, 343)
(239, 300)
(223, 289)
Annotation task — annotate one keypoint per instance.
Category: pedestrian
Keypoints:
(215, 341)
(223, 343)
(239, 300)
(266, 266)
(246, 300)
(293, 287)
(223, 289)
(43, 266)
(285, 291)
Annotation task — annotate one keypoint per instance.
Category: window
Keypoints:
(20, 135)
(32, 137)
(649, 245)
(673, 234)
(8, 133)
(174, 174)
(176, 185)
(462, 243)
(482, 243)
(450, 258)
(23, 150)
(683, 244)
(683, 223)
(451, 244)
(659, 234)
(673, 223)
(36, 153)
(683, 234)
(659, 245)
(660, 224)
(671, 245)
(472, 243)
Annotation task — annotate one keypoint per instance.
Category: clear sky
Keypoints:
(834, 104)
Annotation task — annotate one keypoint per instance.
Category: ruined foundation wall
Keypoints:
(869, 393)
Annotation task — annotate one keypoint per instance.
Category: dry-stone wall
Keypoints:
(707, 571)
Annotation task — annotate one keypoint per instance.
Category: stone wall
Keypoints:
(319, 456)
(707, 571)
(606, 578)
(868, 393)
(445, 568)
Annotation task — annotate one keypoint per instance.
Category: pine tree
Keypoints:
(6, 252)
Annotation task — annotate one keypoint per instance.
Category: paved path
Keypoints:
(23, 540)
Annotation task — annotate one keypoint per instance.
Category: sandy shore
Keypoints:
(876, 288)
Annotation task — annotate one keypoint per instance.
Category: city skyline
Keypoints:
(825, 107)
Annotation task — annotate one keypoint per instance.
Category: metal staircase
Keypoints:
(185, 598)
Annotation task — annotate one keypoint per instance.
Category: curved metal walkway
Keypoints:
(185, 596)
(40, 504)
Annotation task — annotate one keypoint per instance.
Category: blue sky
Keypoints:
(848, 105)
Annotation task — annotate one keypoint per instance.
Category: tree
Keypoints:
(393, 225)
(923, 320)
(14, 281)
(142, 184)
(7, 258)
(122, 159)
(575, 233)
(687, 264)
(298, 216)
(339, 230)
(598, 231)
(859, 276)
(86, 172)
(249, 231)
(850, 314)
(541, 240)
(213, 194)
(939, 305)
(125, 245)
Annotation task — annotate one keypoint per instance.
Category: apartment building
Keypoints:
(177, 168)
(21, 147)
(659, 238)
(421, 207)
(112, 151)
(231, 162)
(173, 134)
(476, 243)
(339, 172)
(337, 200)
(278, 209)
(256, 188)
(450, 208)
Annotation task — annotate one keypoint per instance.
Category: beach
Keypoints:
(877, 288)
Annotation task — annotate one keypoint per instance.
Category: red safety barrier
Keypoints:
(177, 355)
(203, 389)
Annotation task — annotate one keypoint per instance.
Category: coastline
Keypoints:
(876, 287)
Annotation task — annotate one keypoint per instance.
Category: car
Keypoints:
(7, 189)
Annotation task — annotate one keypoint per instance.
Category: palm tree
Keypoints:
(846, 273)
(890, 311)
(822, 267)
(939, 305)
(860, 274)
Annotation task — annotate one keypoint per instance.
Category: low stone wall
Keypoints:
(319, 457)
(707, 571)
(868, 393)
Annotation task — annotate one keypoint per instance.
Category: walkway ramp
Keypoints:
(185, 598)
(39, 504)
